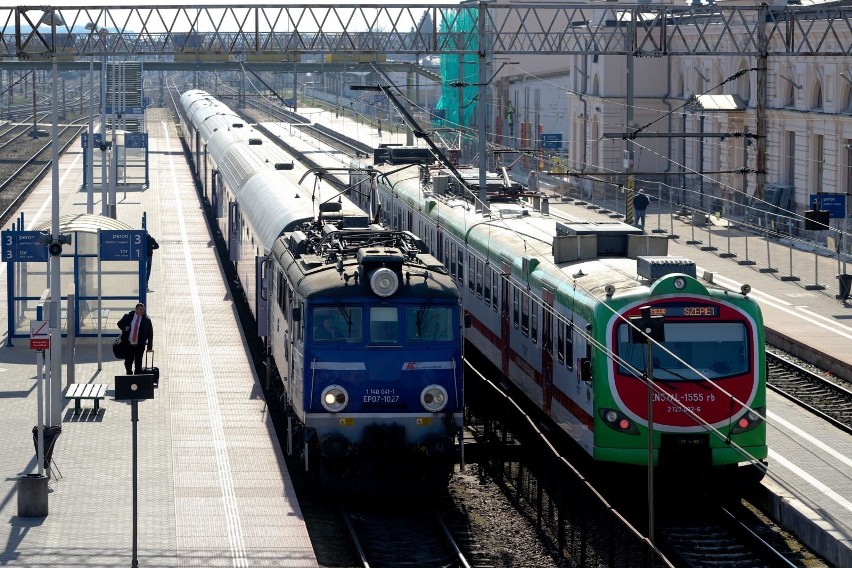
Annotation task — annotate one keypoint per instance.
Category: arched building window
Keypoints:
(816, 96)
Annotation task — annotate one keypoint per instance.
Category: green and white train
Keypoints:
(554, 302)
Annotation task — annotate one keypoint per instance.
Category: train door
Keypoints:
(261, 305)
(505, 324)
(234, 231)
(547, 350)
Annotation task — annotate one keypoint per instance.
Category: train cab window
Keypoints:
(300, 326)
(565, 343)
(428, 323)
(336, 324)
(715, 349)
(384, 325)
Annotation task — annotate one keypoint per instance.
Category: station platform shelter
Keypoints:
(103, 273)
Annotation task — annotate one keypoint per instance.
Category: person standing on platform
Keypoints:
(136, 329)
(152, 244)
(640, 205)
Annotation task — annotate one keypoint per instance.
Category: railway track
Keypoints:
(719, 539)
(810, 390)
(403, 538)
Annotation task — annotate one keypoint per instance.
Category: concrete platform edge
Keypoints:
(807, 353)
(793, 516)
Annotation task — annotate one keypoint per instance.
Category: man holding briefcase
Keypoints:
(137, 329)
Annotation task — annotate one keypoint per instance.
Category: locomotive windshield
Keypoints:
(716, 350)
(337, 323)
(385, 324)
(429, 323)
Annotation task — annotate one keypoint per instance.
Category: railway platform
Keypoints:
(213, 488)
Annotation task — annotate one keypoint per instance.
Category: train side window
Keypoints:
(471, 271)
(560, 341)
(300, 325)
(516, 301)
(487, 280)
(478, 278)
(281, 288)
(525, 314)
(453, 259)
(495, 289)
(569, 345)
(460, 273)
(384, 325)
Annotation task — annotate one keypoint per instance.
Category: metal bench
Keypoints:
(80, 391)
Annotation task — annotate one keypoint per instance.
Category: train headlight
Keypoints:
(618, 421)
(434, 398)
(334, 398)
(384, 282)
(680, 283)
(749, 421)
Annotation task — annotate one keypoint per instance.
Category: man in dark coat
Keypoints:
(152, 244)
(640, 204)
(137, 329)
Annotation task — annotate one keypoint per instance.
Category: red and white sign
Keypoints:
(39, 337)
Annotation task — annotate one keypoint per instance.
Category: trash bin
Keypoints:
(845, 281)
(32, 495)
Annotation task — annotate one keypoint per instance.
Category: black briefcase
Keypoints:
(151, 370)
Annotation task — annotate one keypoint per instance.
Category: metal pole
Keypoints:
(90, 151)
(650, 377)
(55, 259)
(104, 154)
(481, 106)
(40, 399)
(134, 418)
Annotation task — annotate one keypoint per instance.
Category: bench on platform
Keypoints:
(80, 391)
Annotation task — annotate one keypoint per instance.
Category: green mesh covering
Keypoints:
(459, 69)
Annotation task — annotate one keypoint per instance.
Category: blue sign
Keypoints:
(84, 139)
(25, 246)
(290, 103)
(551, 141)
(834, 203)
(135, 140)
(123, 245)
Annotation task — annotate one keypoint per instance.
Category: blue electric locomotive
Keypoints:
(363, 324)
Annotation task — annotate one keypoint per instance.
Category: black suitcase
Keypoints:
(152, 370)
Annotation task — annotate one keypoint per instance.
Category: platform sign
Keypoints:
(39, 335)
(125, 111)
(84, 139)
(136, 140)
(551, 141)
(834, 203)
(123, 245)
(25, 246)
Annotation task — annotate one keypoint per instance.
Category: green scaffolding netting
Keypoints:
(458, 105)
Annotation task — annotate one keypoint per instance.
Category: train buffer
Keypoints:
(80, 391)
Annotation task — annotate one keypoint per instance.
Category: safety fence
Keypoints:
(770, 238)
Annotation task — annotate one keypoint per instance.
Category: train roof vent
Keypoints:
(255, 141)
(612, 238)
(384, 256)
(237, 125)
(655, 267)
(355, 222)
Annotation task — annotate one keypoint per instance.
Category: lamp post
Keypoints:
(90, 151)
(53, 19)
(103, 32)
